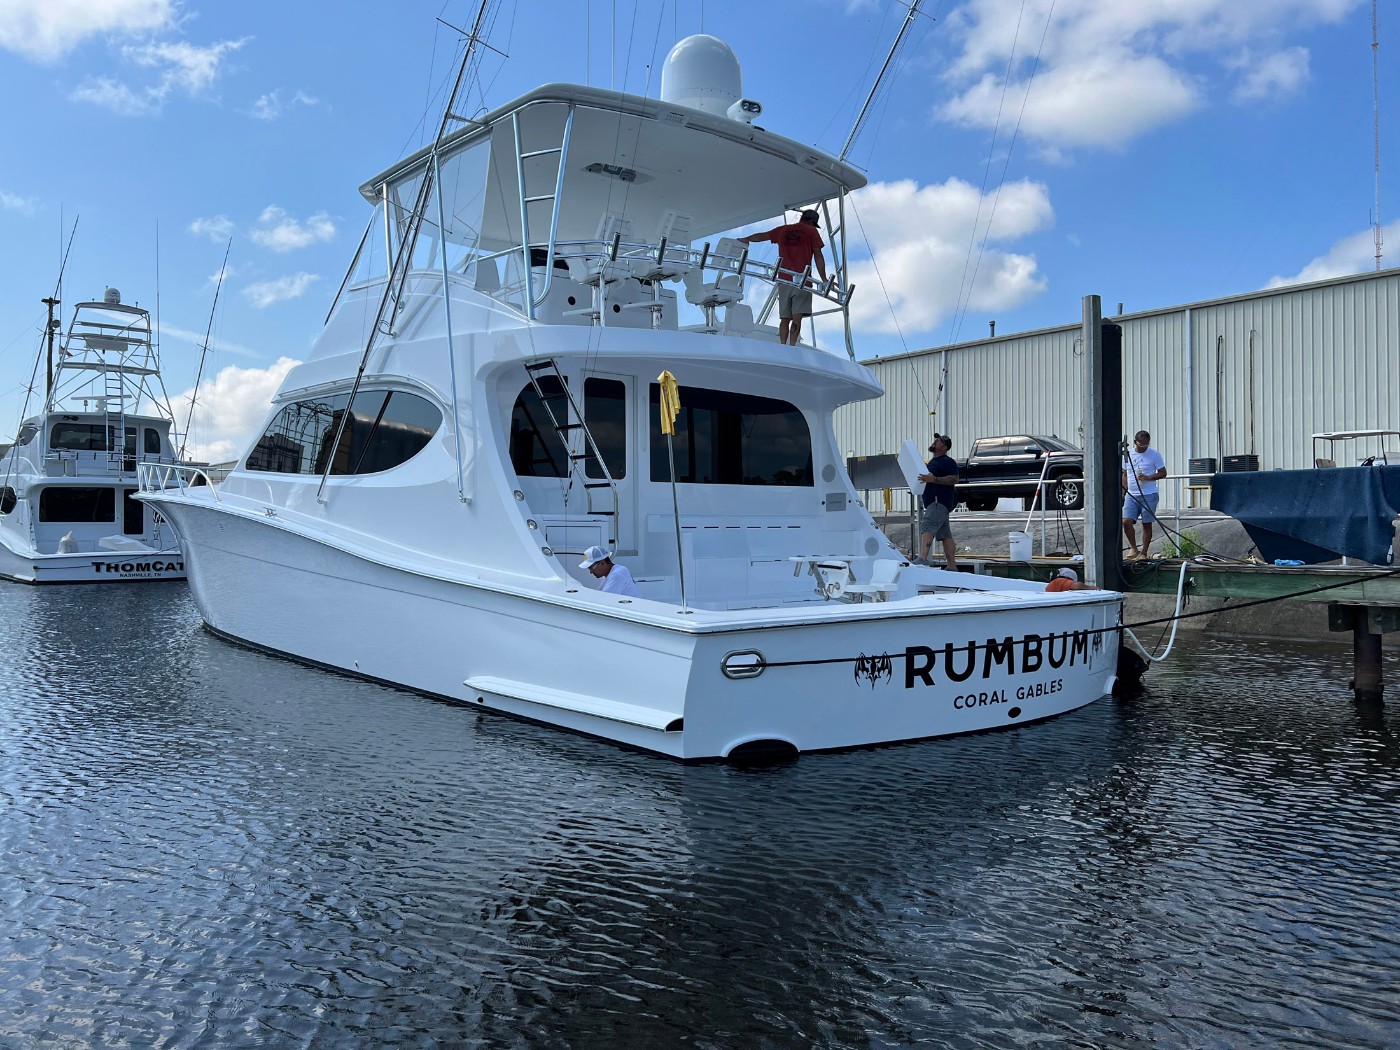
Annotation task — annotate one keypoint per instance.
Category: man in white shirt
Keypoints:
(1143, 467)
(617, 579)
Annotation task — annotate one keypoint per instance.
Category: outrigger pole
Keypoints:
(408, 240)
(860, 117)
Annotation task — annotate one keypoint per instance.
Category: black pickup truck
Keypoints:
(1011, 464)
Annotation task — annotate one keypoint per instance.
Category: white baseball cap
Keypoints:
(593, 556)
(1069, 574)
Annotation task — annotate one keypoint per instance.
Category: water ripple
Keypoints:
(201, 846)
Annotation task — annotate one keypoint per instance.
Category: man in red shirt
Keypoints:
(798, 244)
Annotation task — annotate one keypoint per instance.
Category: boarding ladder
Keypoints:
(578, 443)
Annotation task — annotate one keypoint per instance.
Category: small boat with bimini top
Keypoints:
(519, 382)
(68, 512)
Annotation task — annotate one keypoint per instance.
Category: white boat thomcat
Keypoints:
(484, 406)
(68, 512)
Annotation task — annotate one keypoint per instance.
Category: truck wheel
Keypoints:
(1067, 495)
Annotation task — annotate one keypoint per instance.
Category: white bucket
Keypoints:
(1020, 546)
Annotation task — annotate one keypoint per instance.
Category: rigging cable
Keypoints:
(961, 314)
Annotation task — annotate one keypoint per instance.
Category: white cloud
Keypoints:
(46, 30)
(183, 68)
(928, 240)
(282, 233)
(231, 407)
(1106, 71)
(1103, 101)
(1272, 76)
(271, 106)
(263, 294)
(218, 228)
(14, 202)
(1353, 254)
(116, 96)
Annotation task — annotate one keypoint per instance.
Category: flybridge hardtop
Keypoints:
(507, 381)
(730, 173)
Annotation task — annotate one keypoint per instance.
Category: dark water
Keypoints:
(201, 846)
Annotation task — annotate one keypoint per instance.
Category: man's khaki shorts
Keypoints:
(794, 302)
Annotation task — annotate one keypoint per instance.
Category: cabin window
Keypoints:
(151, 437)
(71, 505)
(605, 412)
(536, 448)
(727, 438)
(385, 429)
(87, 437)
(26, 434)
(7, 500)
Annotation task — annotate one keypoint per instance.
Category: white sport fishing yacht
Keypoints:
(485, 405)
(68, 512)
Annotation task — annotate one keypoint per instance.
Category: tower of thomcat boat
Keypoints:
(487, 403)
(68, 512)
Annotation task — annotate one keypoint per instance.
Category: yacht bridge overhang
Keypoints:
(640, 155)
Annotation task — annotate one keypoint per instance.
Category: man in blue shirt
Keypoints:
(940, 497)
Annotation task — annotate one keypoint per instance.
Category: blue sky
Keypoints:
(1152, 152)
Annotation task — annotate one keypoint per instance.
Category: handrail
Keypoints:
(158, 477)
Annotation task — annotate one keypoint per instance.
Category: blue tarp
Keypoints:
(1314, 515)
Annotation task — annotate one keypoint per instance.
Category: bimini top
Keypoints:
(644, 156)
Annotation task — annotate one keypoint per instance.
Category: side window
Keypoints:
(294, 442)
(605, 412)
(60, 503)
(404, 425)
(151, 437)
(726, 438)
(384, 429)
(7, 500)
(26, 434)
(536, 449)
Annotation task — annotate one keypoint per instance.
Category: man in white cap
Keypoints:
(617, 579)
(1066, 580)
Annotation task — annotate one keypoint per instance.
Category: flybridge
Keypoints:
(590, 189)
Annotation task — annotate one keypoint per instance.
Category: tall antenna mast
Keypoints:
(860, 117)
(1376, 121)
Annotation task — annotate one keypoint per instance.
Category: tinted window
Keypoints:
(383, 430)
(7, 500)
(605, 412)
(724, 438)
(86, 437)
(152, 440)
(536, 449)
(72, 505)
(402, 427)
(26, 433)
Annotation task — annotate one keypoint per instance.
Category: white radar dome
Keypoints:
(111, 295)
(701, 72)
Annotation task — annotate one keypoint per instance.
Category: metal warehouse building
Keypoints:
(1254, 374)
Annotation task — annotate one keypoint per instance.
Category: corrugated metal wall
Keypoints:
(1259, 374)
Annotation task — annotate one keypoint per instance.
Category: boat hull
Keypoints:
(847, 676)
(90, 566)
